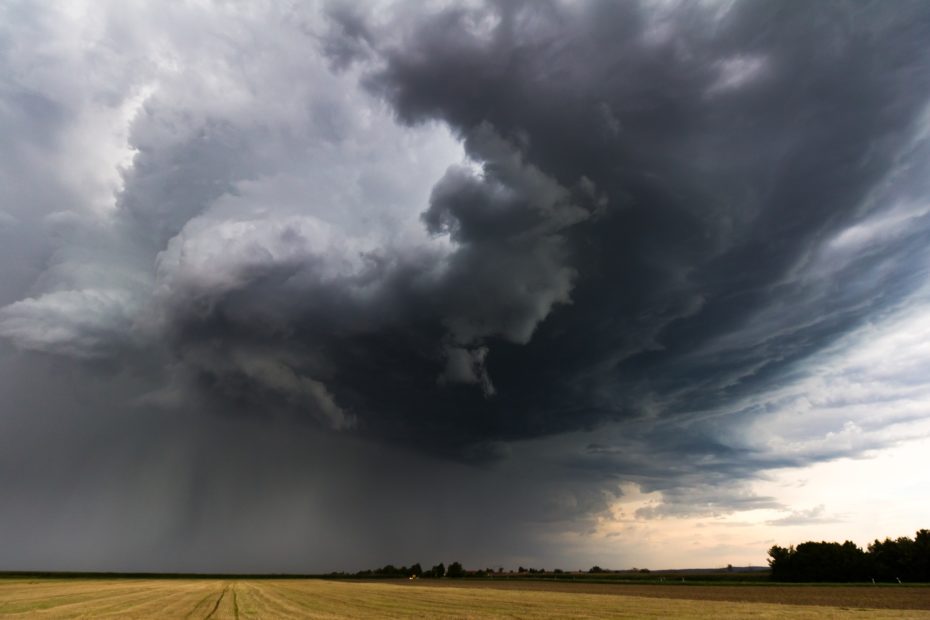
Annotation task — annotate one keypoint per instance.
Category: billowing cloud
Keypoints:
(81, 323)
(581, 246)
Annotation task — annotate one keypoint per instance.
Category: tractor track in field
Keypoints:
(216, 605)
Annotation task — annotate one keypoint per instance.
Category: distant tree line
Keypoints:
(899, 560)
(455, 570)
(390, 571)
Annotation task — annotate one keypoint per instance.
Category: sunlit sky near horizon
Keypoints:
(314, 286)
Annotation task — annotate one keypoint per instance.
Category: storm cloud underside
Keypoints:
(413, 277)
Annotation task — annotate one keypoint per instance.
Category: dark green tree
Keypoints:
(780, 562)
(388, 571)
(922, 556)
(892, 559)
(826, 561)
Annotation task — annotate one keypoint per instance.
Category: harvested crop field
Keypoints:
(292, 598)
(873, 597)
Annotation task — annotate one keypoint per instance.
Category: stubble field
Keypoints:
(293, 598)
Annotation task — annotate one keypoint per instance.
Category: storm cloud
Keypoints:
(545, 246)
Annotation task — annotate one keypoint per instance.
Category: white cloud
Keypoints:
(198, 146)
(867, 391)
(215, 256)
(467, 366)
(817, 514)
(736, 72)
(83, 323)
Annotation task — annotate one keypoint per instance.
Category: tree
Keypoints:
(455, 571)
(892, 559)
(819, 561)
(416, 570)
(780, 562)
(922, 556)
(887, 560)
(438, 571)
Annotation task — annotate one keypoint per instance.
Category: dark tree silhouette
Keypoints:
(901, 559)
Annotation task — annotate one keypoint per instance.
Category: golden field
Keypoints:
(310, 598)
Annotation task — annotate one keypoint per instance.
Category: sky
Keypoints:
(316, 286)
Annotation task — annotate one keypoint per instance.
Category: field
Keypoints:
(305, 598)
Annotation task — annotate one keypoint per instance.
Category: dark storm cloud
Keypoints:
(651, 190)
(669, 213)
(722, 148)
